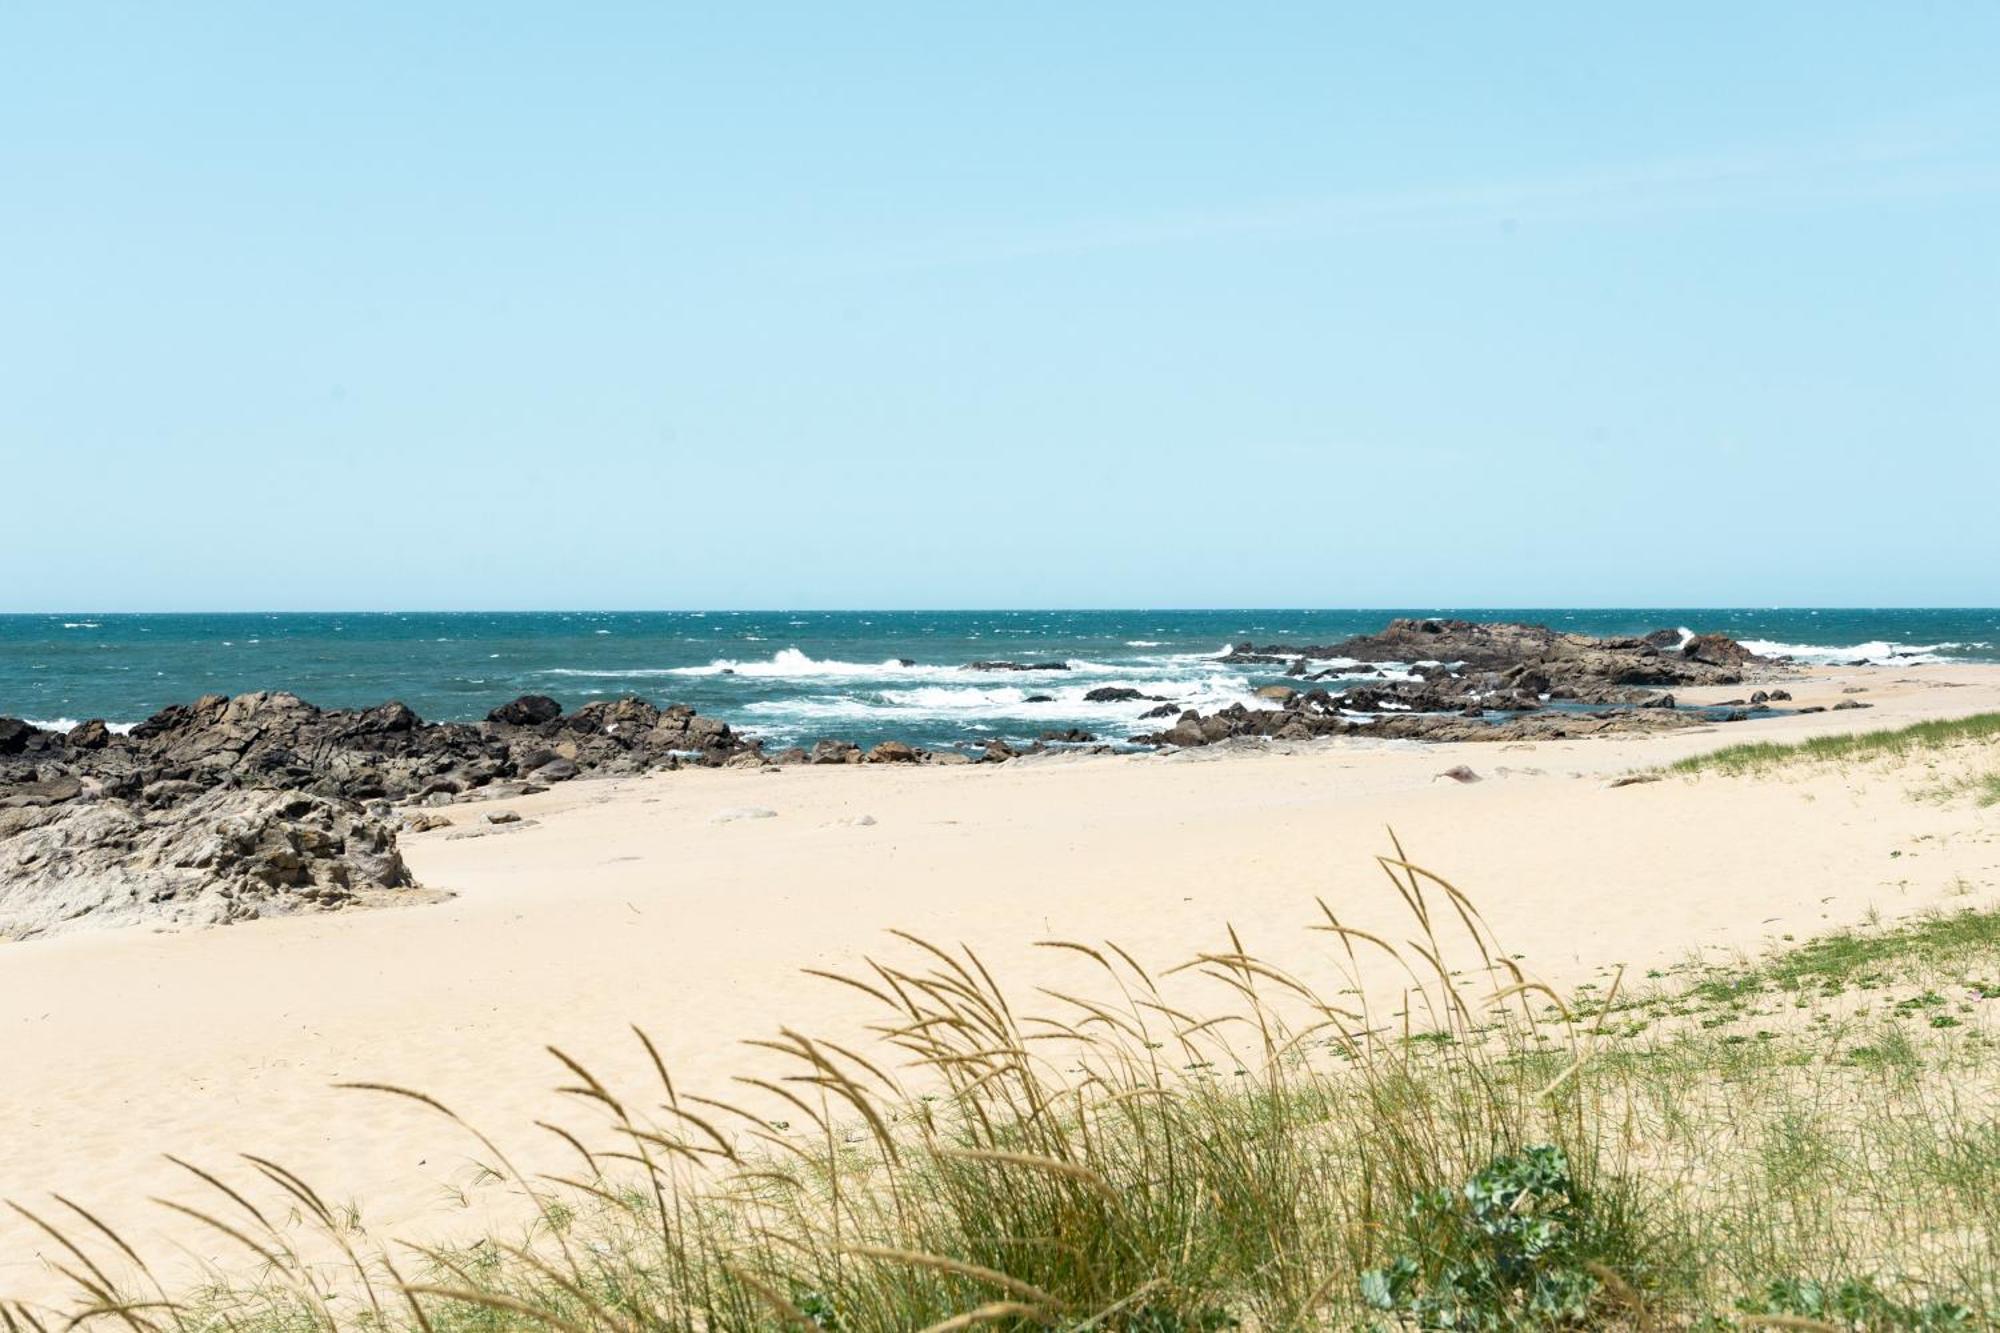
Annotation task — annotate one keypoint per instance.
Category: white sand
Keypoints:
(628, 903)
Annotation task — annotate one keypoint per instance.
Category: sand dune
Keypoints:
(630, 901)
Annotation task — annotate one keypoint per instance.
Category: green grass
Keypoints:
(1897, 742)
(1216, 1145)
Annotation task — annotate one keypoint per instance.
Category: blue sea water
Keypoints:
(796, 676)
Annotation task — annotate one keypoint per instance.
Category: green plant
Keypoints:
(1857, 1303)
(1518, 1246)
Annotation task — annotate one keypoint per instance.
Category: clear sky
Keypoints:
(756, 305)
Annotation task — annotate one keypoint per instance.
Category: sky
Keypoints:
(871, 305)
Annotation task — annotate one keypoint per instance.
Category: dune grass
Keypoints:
(1888, 743)
(1803, 1141)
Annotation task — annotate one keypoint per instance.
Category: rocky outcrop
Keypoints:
(1469, 680)
(223, 855)
(226, 808)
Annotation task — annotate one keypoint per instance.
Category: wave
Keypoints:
(69, 724)
(1004, 707)
(792, 664)
(1875, 650)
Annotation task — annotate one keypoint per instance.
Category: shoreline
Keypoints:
(629, 900)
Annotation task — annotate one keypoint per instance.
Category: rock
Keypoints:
(1070, 736)
(834, 752)
(1164, 710)
(891, 752)
(1280, 693)
(224, 855)
(1633, 779)
(1776, 695)
(997, 751)
(15, 735)
(1759, 697)
(40, 792)
(1854, 689)
(530, 710)
(502, 817)
(1017, 666)
(741, 812)
(1039, 699)
(1459, 773)
(1846, 704)
(91, 735)
(1658, 701)
(1297, 668)
(1113, 694)
(555, 770)
(949, 757)
(1815, 708)
(1717, 650)
(791, 754)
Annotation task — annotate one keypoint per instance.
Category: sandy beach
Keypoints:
(662, 901)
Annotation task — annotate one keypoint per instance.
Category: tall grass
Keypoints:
(1214, 1144)
(1889, 743)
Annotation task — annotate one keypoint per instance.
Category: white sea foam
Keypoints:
(1875, 650)
(1142, 643)
(80, 624)
(1064, 705)
(69, 724)
(793, 664)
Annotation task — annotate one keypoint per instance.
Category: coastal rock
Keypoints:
(891, 752)
(530, 710)
(91, 735)
(1017, 666)
(1114, 694)
(1070, 736)
(834, 752)
(227, 855)
(15, 735)
(1717, 650)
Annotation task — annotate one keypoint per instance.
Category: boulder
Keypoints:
(91, 735)
(891, 752)
(1717, 650)
(834, 752)
(530, 710)
(15, 735)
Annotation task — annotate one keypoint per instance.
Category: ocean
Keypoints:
(792, 677)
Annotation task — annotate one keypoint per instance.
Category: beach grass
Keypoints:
(1887, 743)
(1803, 1140)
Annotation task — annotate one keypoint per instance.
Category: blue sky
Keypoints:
(498, 305)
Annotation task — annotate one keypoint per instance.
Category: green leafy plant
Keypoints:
(1858, 1303)
(1519, 1246)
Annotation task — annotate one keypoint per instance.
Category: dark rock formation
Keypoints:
(1466, 671)
(530, 710)
(1113, 694)
(232, 807)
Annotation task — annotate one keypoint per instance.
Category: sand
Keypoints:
(629, 901)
